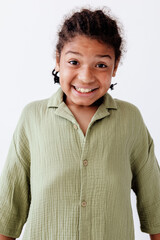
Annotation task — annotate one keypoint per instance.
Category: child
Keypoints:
(75, 157)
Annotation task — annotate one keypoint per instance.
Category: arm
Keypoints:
(155, 236)
(2, 237)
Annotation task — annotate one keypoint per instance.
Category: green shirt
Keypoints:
(67, 186)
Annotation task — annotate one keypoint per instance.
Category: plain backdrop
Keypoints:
(27, 44)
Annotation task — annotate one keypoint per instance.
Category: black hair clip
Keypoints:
(56, 78)
(112, 86)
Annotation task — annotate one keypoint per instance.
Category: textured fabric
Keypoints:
(67, 186)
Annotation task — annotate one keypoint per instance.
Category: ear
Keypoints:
(57, 68)
(115, 68)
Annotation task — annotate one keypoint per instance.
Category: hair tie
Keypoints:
(112, 86)
(56, 78)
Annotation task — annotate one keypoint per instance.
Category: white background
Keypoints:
(27, 43)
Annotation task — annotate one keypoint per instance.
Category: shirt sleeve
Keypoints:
(146, 180)
(15, 184)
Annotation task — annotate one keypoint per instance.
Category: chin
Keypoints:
(84, 104)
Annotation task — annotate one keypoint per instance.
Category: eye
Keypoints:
(101, 65)
(73, 62)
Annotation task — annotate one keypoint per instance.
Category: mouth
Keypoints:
(84, 90)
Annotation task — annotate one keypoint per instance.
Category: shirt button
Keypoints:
(84, 204)
(75, 126)
(85, 162)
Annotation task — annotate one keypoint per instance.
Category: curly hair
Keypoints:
(95, 25)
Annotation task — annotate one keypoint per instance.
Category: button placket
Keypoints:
(84, 200)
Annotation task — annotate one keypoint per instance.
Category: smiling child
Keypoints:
(75, 157)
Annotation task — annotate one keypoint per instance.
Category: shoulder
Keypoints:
(36, 105)
(129, 115)
(121, 104)
(41, 107)
(128, 109)
(33, 108)
(31, 114)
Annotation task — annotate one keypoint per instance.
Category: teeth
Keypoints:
(83, 90)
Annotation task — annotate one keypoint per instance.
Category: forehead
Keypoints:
(86, 45)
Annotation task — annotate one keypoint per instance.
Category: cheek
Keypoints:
(106, 78)
(63, 76)
(65, 79)
(65, 72)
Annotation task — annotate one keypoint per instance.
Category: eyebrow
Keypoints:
(77, 53)
(103, 56)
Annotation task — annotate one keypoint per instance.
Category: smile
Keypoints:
(84, 90)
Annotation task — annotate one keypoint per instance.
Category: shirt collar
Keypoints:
(57, 98)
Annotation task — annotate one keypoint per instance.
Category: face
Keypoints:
(86, 68)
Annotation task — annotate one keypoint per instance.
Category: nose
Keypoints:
(86, 75)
